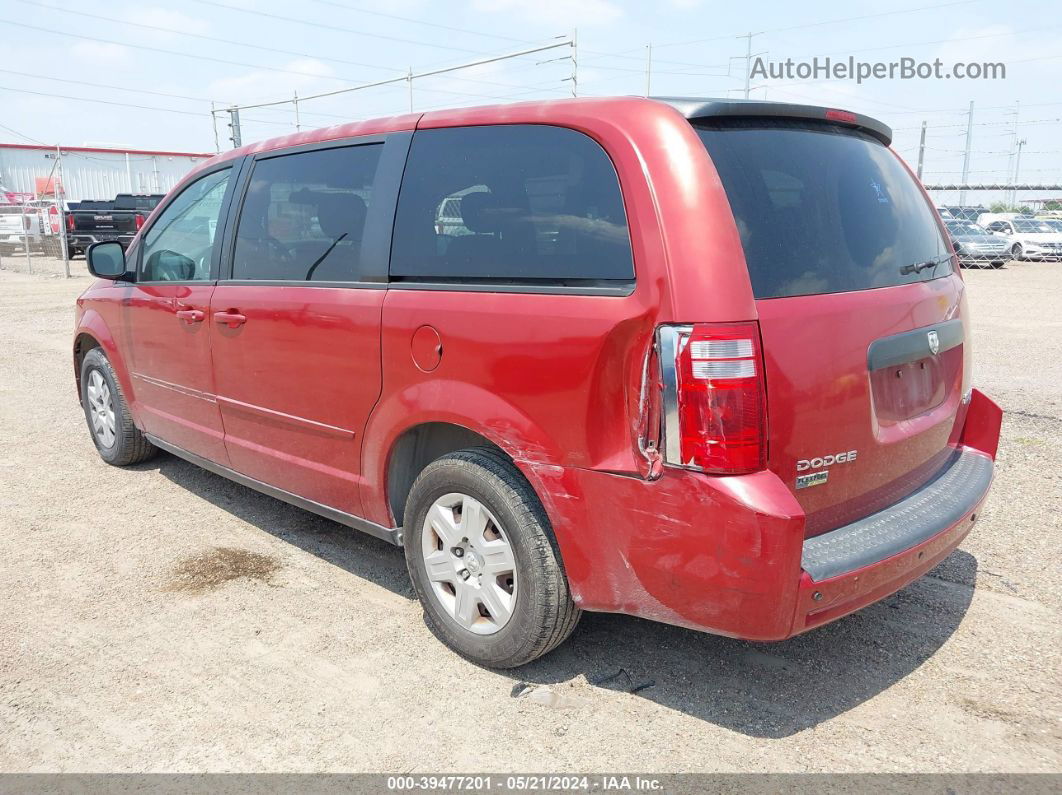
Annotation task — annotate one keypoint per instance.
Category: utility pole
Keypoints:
(1012, 176)
(748, 60)
(26, 236)
(298, 126)
(575, 62)
(214, 121)
(966, 155)
(921, 151)
(1017, 169)
(409, 82)
(648, 68)
(234, 125)
(58, 186)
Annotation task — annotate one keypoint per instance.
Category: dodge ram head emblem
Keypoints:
(934, 342)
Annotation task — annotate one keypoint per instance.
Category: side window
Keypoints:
(303, 218)
(518, 204)
(180, 243)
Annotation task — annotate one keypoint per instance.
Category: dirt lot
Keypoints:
(165, 619)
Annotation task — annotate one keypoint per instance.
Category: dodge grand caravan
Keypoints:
(701, 361)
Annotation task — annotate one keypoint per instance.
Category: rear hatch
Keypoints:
(860, 309)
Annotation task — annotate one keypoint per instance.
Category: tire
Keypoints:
(1016, 252)
(541, 613)
(118, 441)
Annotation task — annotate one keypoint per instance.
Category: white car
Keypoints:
(1029, 238)
(19, 225)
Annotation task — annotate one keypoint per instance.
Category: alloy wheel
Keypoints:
(101, 408)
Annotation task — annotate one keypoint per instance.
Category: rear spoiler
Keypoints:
(694, 108)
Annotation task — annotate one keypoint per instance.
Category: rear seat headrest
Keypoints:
(479, 212)
(339, 213)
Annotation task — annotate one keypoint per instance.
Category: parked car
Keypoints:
(95, 221)
(1028, 238)
(20, 226)
(977, 246)
(962, 212)
(700, 361)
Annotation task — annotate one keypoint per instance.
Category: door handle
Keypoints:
(231, 318)
(191, 315)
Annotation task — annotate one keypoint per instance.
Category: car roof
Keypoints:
(690, 107)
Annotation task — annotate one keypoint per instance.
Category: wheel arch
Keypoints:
(431, 418)
(417, 447)
(92, 332)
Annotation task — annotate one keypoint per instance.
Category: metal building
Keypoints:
(92, 173)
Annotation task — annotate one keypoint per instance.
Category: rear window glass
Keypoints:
(518, 204)
(131, 202)
(823, 209)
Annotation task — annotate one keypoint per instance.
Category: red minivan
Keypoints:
(701, 361)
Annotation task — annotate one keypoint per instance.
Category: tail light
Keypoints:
(139, 221)
(70, 222)
(714, 397)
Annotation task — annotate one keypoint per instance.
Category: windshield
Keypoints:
(1033, 227)
(964, 228)
(823, 209)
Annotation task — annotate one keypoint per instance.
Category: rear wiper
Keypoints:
(918, 267)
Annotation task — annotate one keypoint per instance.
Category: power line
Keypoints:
(828, 22)
(153, 49)
(333, 27)
(199, 115)
(419, 21)
(107, 85)
(22, 135)
(203, 37)
(935, 41)
(988, 124)
(479, 81)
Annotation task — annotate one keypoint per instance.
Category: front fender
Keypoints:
(456, 403)
(93, 325)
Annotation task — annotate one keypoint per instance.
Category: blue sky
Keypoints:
(141, 54)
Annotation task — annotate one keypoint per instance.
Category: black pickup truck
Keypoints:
(92, 221)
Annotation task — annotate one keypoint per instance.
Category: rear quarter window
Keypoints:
(514, 204)
(822, 209)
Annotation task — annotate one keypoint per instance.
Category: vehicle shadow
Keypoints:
(768, 690)
(760, 690)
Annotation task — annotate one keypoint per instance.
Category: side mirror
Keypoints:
(106, 260)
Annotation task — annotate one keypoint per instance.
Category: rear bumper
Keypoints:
(855, 565)
(85, 240)
(729, 555)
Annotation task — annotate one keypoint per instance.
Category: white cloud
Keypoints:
(171, 20)
(563, 13)
(263, 86)
(98, 52)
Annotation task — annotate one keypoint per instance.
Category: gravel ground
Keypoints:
(164, 619)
